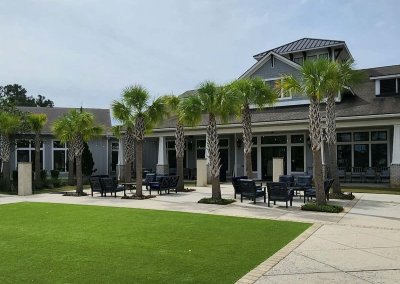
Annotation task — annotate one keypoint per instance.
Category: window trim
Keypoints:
(30, 149)
(66, 149)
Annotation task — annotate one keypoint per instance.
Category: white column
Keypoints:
(24, 179)
(121, 152)
(396, 145)
(162, 163)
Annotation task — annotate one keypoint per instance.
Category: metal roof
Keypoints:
(300, 45)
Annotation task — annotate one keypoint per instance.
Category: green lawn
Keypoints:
(372, 190)
(57, 243)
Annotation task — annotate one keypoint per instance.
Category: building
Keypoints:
(368, 121)
(54, 154)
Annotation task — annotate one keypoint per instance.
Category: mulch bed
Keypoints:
(187, 190)
(141, 197)
(75, 194)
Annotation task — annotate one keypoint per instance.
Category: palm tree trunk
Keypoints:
(79, 184)
(129, 148)
(139, 161)
(331, 141)
(128, 172)
(316, 141)
(6, 175)
(5, 153)
(180, 153)
(213, 153)
(247, 139)
(38, 181)
(71, 165)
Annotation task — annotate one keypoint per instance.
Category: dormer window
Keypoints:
(388, 86)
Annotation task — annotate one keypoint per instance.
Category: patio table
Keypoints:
(128, 185)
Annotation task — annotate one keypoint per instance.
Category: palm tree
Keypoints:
(9, 126)
(173, 103)
(313, 82)
(36, 121)
(76, 128)
(344, 76)
(214, 101)
(141, 115)
(252, 91)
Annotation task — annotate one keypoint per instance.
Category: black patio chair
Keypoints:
(278, 191)
(312, 192)
(95, 185)
(173, 183)
(341, 174)
(250, 190)
(370, 175)
(109, 185)
(304, 182)
(288, 179)
(162, 184)
(356, 174)
(236, 185)
(149, 178)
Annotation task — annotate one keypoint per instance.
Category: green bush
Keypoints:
(43, 175)
(216, 201)
(54, 174)
(322, 208)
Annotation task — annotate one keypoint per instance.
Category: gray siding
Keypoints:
(150, 153)
(280, 68)
(99, 148)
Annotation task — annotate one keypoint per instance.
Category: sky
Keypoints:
(84, 52)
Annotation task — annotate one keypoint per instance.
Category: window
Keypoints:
(60, 156)
(344, 156)
(361, 157)
(323, 56)
(254, 159)
(114, 156)
(171, 153)
(343, 137)
(274, 139)
(297, 138)
(224, 153)
(272, 61)
(273, 83)
(361, 136)
(298, 60)
(200, 149)
(25, 152)
(312, 57)
(379, 155)
(254, 141)
(297, 156)
(378, 135)
(388, 86)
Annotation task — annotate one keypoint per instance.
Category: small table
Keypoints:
(128, 185)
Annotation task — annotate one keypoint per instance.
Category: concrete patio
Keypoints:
(360, 245)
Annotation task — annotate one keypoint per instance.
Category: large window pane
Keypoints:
(172, 158)
(297, 153)
(23, 143)
(388, 86)
(201, 154)
(201, 143)
(22, 156)
(33, 158)
(297, 138)
(281, 139)
(344, 137)
(223, 143)
(60, 161)
(379, 155)
(344, 156)
(361, 136)
(361, 155)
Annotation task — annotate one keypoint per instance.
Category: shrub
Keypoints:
(322, 208)
(344, 196)
(43, 175)
(216, 201)
(54, 174)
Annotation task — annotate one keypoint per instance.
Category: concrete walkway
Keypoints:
(361, 245)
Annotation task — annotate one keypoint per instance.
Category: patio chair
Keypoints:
(304, 182)
(356, 173)
(173, 183)
(278, 191)
(109, 185)
(384, 175)
(149, 178)
(236, 185)
(95, 185)
(250, 190)
(312, 192)
(370, 175)
(342, 174)
(288, 179)
(162, 184)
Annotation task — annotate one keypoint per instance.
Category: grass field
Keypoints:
(56, 243)
(385, 190)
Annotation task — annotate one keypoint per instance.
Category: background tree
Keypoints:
(344, 76)
(252, 91)
(87, 161)
(174, 108)
(76, 128)
(16, 95)
(313, 82)
(212, 100)
(9, 125)
(144, 114)
(37, 121)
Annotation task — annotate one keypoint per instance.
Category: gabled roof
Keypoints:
(102, 116)
(300, 45)
(383, 71)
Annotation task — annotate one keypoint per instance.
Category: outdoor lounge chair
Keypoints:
(236, 185)
(149, 178)
(162, 184)
(370, 175)
(278, 191)
(356, 174)
(384, 175)
(109, 185)
(250, 190)
(310, 193)
(342, 174)
(173, 183)
(288, 179)
(95, 185)
(303, 183)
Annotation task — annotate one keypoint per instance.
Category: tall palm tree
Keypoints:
(76, 128)
(313, 82)
(214, 101)
(36, 122)
(142, 115)
(252, 91)
(9, 126)
(344, 76)
(173, 104)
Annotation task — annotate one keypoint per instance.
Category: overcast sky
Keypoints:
(84, 52)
